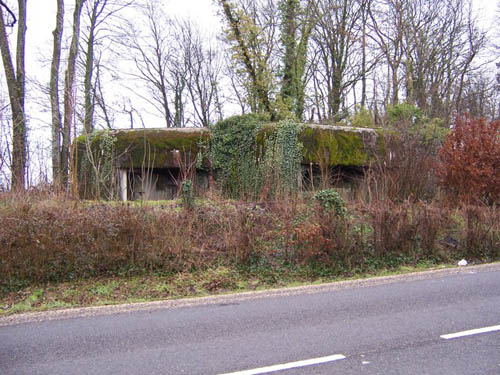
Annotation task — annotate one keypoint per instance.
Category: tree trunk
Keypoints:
(259, 87)
(69, 106)
(295, 58)
(16, 86)
(88, 122)
(288, 87)
(54, 93)
(363, 54)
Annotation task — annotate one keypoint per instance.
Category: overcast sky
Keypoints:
(41, 18)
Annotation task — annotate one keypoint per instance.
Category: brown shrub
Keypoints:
(480, 237)
(469, 161)
(405, 171)
(49, 240)
(409, 230)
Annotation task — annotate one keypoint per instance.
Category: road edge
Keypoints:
(80, 312)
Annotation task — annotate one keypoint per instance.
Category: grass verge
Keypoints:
(147, 288)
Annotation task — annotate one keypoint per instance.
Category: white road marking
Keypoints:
(470, 332)
(290, 365)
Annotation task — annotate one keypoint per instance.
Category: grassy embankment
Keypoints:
(58, 253)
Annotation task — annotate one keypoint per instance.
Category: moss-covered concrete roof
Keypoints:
(151, 147)
(340, 145)
(164, 148)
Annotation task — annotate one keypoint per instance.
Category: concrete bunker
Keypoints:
(149, 164)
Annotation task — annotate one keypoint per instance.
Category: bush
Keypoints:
(403, 114)
(329, 200)
(469, 161)
(187, 194)
(412, 142)
(57, 241)
(362, 118)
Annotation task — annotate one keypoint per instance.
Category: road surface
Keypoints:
(395, 325)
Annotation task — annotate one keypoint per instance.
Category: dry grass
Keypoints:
(54, 240)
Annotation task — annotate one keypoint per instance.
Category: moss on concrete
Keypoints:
(380, 142)
(157, 148)
(337, 147)
(151, 148)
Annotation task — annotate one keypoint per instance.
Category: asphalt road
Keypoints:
(382, 326)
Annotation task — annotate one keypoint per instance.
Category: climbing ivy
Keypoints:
(282, 154)
(232, 154)
(290, 154)
(250, 157)
(97, 165)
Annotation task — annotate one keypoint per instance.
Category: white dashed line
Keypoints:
(290, 365)
(471, 332)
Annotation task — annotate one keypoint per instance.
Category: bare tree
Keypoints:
(69, 103)
(54, 93)
(99, 99)
(99, 20)
(474, 42)
(441, 42)
(237, 87)
(388, 23)
(152, 53)
(338, 54)
(201, 65)
(429, 50)
(364, 4)
(5, 139)
(15, 77)
(480, 95)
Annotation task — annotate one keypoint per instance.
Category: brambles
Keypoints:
(45, 240)
(412, 141)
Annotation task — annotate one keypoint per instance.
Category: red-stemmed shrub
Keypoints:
(469, 161)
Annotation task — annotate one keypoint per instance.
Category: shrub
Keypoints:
(412, 142)
(329, 200)
(481, 232)
(469, 161)
(405, 173)
(44, 240)
(403, 114)
(187, 194)
(405, 230)
(362, 118)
